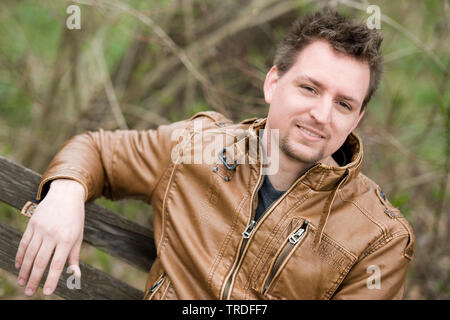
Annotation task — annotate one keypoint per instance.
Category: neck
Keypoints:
(288, 169)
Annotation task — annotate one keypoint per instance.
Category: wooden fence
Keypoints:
(103, 229)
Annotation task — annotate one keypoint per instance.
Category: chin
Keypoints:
(300, 152)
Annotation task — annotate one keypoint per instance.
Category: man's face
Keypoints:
(316, 104)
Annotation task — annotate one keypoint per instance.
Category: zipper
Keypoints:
(246, 235)
(293, 239)
(248, 231)
(154, 287)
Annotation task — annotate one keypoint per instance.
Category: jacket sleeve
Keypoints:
(381, 273)
(115, 164)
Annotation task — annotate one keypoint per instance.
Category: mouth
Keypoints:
(311, 132)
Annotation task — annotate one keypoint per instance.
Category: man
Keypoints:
(313, 228)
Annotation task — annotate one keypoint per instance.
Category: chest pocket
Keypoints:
(299, 272)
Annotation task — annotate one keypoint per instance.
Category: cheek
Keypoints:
(341, 129)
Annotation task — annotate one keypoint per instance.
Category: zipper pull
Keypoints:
(248, 231)
(296, 236)
(157, 283)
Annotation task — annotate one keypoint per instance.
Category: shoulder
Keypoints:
(212, 116)
(372, 202)
(212, 120)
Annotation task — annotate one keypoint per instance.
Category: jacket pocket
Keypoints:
(283, 254)
(151, 292)
(298, 271)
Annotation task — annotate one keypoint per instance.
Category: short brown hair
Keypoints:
(347, 36)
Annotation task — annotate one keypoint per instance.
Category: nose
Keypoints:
(321, 111)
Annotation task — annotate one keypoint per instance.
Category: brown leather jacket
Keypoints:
(332, 235)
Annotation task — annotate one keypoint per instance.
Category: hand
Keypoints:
(55, 226)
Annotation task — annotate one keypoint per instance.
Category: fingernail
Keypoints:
(21, 282)
(17, 265)
(47, 291)
(29, 291)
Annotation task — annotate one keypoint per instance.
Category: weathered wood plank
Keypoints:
(103, 228)
(94, 284)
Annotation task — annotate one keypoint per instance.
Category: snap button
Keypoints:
(227, 178)
(215, 169)
(382, 195)
(221, 124)
(390, 213)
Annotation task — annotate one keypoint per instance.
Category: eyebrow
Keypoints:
(321, 86)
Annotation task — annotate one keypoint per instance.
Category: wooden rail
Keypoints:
(103, 229)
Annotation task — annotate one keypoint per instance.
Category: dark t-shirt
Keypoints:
(266, 196)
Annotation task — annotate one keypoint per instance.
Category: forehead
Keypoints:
(337, 71)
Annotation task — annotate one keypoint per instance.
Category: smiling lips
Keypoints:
(310, 133)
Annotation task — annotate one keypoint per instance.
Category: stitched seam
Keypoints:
(352, 257)
(165, 290)
(335, 244)
(381, 243)
(112, 164)
(227, 240)
(375, 246)
(343, 272)
(164, 213)
(157, 185)
(327, 295)
(322, 177)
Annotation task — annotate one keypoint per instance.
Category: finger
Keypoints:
(26, 238)
(28, 260)
(39, 265)
(56, 268)
(74, 259)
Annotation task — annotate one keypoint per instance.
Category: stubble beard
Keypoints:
(286, 146)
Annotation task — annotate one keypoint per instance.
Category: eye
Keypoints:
(345, 105)
(310, 89)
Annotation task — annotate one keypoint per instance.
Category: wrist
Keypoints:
(67, 186)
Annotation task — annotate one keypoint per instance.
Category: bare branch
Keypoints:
(109, 89)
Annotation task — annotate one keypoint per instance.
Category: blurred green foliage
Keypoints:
(51, 88)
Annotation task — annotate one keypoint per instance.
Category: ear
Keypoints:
(358, 119)
(270, 84)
